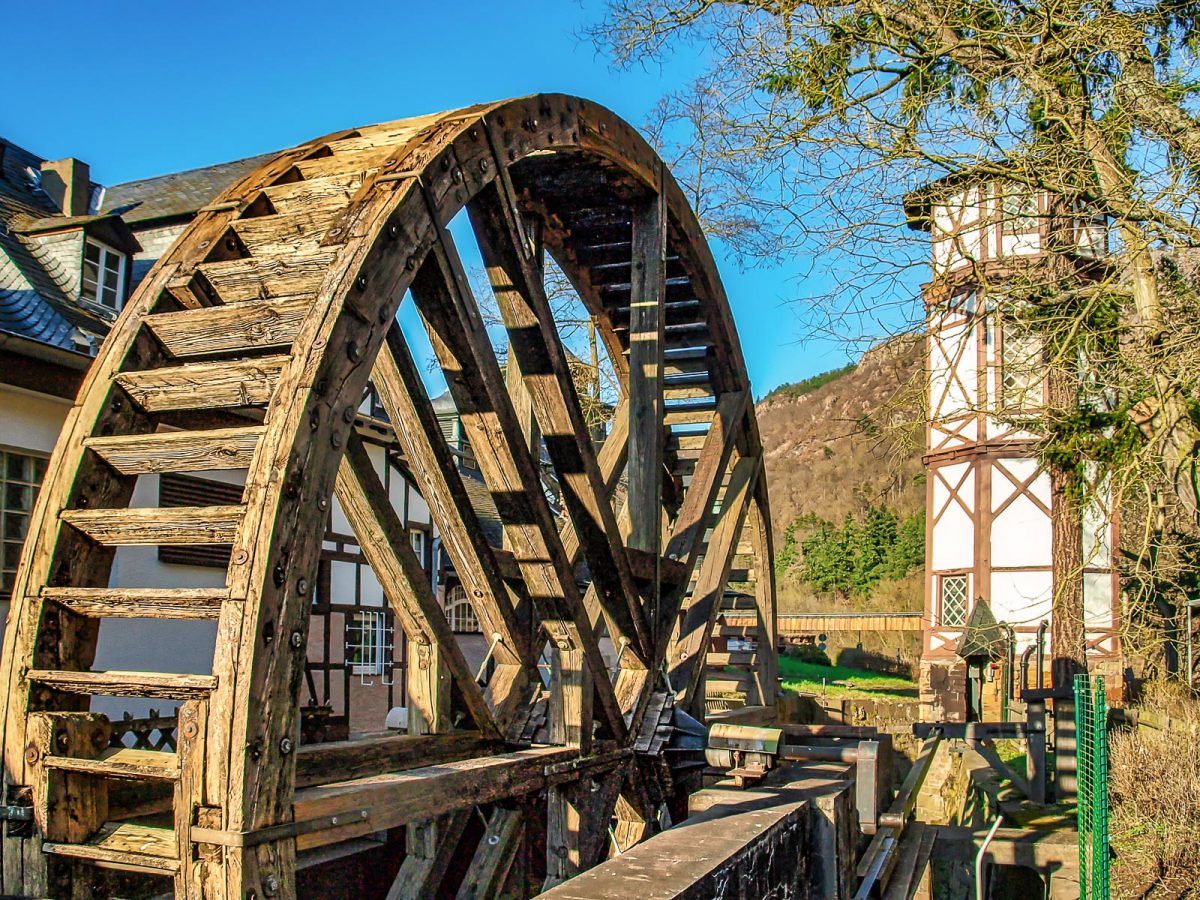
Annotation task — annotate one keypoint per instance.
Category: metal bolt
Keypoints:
(564, 645)
(240, 557)
(348, 414)
(302, 586)
(271, 886)
(297, 640)
(285, 745)
(354, 351)
(323, 504)
(361, 282)
(333, 820)
(335, 441)
(394, 230)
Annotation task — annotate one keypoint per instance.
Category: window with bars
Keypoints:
(460, 613)
(103, 274)
(953, 592)
(368, 642)
(20, 477)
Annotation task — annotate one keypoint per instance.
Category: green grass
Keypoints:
(806, 677)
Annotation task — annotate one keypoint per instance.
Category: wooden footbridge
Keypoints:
(247, 348)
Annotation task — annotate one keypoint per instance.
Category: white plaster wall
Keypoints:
(1021, 598)
(1021, 534)
(30, 422)
(956, 232)
(954, 530)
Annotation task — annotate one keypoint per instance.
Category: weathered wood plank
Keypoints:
(404, 797)
(122, 763)
(256, 279)
(139, 603)
(249, 325)
(209, 385)
(646, 323)
(125, 845)
(126, 684)
(494, 856)
(178, 451)
(170, 525)
(378, 755)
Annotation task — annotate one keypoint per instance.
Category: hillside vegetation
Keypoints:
(843, 458)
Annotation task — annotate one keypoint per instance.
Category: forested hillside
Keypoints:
(843, 456)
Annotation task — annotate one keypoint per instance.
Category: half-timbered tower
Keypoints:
(988, 499)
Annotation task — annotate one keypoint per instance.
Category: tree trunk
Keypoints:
(1067, 639)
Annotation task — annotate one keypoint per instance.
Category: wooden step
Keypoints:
(726, 682)
(127, 846)
(140, 603)
(736, 658)
(674, 393)
(126, 684)
(252, 278)
(748, 632)
(249, 325)
(122, 763)
(170, 525)
(179, 451)
(272, 236)
(207, 385)
(313, 196)
(687, 416)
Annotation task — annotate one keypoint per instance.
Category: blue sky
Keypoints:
(140, 89)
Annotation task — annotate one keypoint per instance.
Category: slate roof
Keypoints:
(177, 195)
(34, 302)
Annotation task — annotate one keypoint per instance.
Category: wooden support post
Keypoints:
(578, 817)
(190, 733)
(431, 845)
(494, 857)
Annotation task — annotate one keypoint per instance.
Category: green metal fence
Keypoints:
(1091, 724)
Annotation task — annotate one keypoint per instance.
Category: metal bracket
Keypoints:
(16, 813)
(278, 832)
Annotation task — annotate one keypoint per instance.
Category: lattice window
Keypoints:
(460, 613)
(20, 478)
(1022, 369)
(953, 600)
(1020, 210)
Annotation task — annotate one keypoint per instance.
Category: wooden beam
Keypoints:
(380, 754)
(384, 542)
(461, 344)
(646, 322)
(686, 658)
(431, 847)
(403, 797)
(517, 283)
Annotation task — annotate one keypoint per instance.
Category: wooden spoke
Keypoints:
(646, 320)
(517, 284)
(384, 542)
(688, 647)
(685, 542)
(461, 344)
(411, 413)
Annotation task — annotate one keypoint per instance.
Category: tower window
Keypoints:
(952, 591)
(1019, 210)
(1022, 370)
(103, 274)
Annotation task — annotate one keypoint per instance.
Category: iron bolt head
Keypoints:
(285, 745)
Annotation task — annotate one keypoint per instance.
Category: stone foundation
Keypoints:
(943, 689)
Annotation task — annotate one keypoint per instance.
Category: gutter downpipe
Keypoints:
(979, 893)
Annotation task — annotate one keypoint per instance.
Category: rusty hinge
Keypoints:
(278, 832)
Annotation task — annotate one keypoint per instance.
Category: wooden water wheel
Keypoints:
(248, 347)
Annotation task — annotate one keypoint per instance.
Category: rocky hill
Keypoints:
(838, 443)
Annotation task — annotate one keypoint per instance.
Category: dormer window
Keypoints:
(103, 274)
